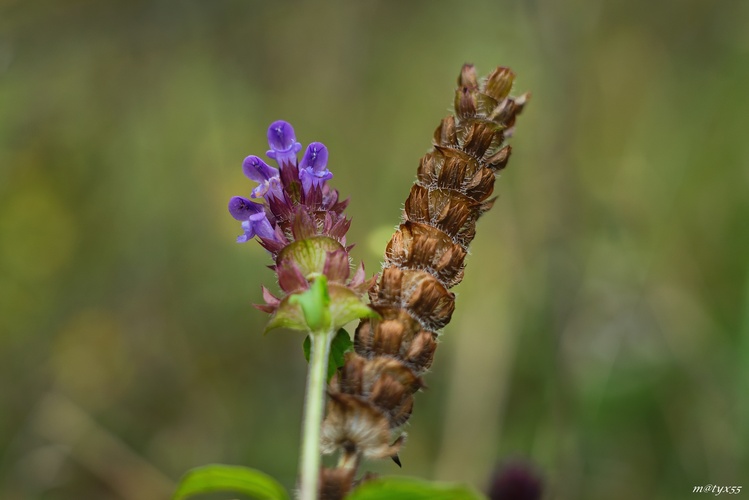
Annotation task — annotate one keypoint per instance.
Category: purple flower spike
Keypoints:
(266, 176)
(313, 170)
(254, 220)
(282, 142)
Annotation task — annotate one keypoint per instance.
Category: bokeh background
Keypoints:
(601, 333)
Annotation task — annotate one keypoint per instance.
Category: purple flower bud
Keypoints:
(282, 142)
(266, 176)
(313, 170)
(254, 220)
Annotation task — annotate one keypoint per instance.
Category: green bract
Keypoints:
(315, 304)
(324, 305)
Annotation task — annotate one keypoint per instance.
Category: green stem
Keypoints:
(313, 411)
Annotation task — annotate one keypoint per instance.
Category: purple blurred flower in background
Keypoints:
(516, 480)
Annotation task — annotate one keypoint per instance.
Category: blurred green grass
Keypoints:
(603, 327)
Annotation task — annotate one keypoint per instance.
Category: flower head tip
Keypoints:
(282, 142)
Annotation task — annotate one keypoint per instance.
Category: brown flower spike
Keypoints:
(372, 396)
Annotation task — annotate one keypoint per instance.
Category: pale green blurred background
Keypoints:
(602, 331)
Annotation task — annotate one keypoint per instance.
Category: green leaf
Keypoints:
(230, 478)
(404, 488)
(315, 304)
(307, 346)
(340, 345)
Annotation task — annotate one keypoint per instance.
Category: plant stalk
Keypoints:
(313, 412)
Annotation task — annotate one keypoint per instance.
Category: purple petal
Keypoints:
(313, 170)
(311, 179)
(257, 170)
(248, 233)
(266, 176)
(281, 136)
(257, 223)
(268, 190)
(242, 209)
(261, 226)
(282, 142)
(315, 157)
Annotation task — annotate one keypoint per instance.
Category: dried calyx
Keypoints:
(372, 396)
